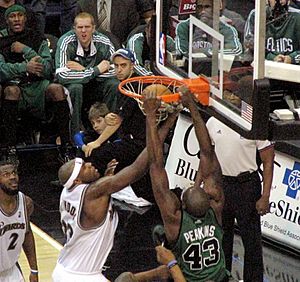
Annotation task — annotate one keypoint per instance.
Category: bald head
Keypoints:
(65, 171)
(195, 201)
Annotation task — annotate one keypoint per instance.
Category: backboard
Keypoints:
(240, 92)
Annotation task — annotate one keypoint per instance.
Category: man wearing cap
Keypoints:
(15, 231)
(25, 71)
(83, 66)
(124, 61)
(88, 218)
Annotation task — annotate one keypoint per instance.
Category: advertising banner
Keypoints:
(283, 221)
(183, 159)
(187, 7)
(282, 224)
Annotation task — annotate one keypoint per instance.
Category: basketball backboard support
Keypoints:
(240, 90)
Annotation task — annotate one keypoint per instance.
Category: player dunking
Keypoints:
(192, 229)
(87, 215)
(15, 231)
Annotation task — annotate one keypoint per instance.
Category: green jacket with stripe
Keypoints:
(70, 49)
(232, 44)
(16, 69)
(137, 44)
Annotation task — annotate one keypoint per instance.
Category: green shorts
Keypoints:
(33, 98)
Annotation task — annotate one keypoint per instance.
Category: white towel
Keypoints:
(128, 196)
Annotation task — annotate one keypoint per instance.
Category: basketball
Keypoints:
(159, 89)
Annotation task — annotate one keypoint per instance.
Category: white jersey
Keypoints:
(85, 250)
(235, 153)
(12, 233)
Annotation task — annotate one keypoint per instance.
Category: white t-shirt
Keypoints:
(85, 250)
(235, 153)
(12, 233)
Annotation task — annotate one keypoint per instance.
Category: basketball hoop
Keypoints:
(170, 98)
(134, 86)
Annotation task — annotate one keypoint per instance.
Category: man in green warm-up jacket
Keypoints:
(25, 71)
(83, 66)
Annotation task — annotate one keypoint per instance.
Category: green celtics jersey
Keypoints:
(198, 249)
(283, 37)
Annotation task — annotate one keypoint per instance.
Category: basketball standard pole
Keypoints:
(259, 40)
(215, 43)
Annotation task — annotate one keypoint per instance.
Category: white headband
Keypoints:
(75, 173)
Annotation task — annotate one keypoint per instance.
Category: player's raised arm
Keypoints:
(166, 200)
(209, 171)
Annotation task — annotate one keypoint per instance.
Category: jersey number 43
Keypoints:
(202, 255)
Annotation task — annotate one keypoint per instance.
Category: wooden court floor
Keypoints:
(47, 252)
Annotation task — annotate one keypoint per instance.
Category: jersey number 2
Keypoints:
(194, 254)
(13, 243)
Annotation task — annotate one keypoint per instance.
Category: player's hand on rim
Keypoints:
(150, 102)
(186, 97)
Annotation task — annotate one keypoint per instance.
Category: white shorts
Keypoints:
(60, 274)
(12, 275)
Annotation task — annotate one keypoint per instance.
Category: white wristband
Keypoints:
(34, 271)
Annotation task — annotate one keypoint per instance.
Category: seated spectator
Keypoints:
(282, 33)
(119, 17)
(204, 13)
(4, 4)
(97, 114)
(83, 67)
(25, 67)
(139, 43)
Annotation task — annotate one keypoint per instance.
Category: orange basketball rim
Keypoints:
(133, 87)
